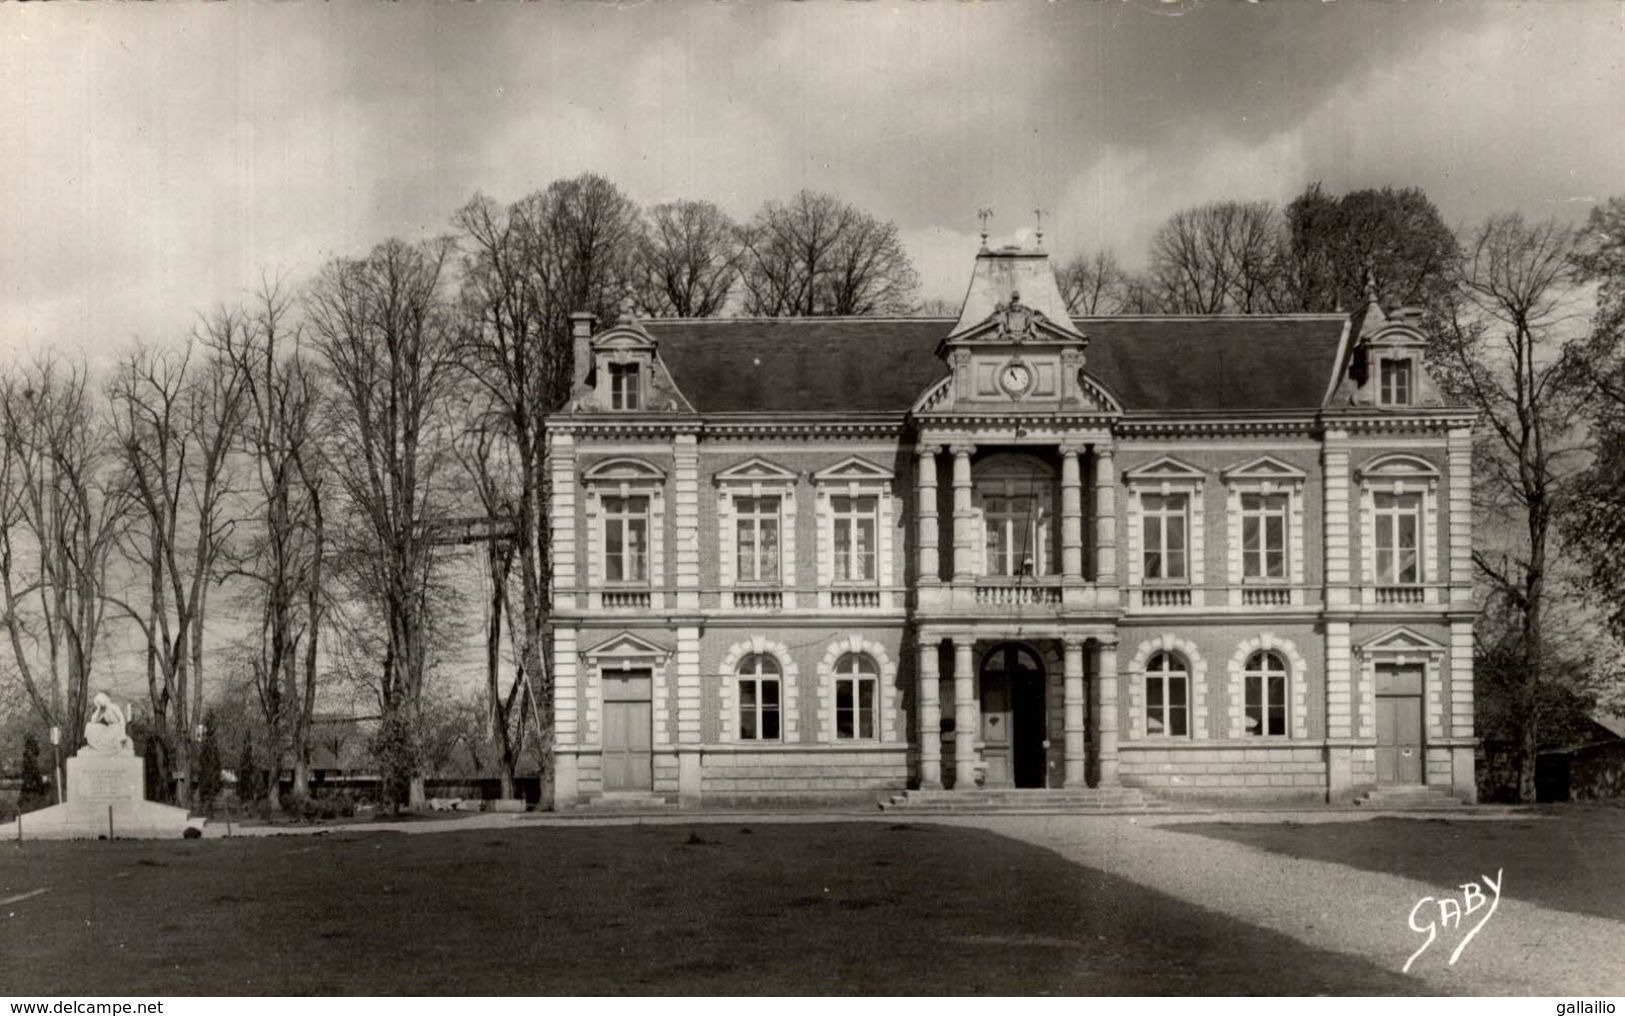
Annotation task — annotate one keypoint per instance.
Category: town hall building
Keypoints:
(1221, 558)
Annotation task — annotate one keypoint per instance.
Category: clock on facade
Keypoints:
(1015, 378)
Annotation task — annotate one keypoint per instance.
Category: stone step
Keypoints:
(1410, 797)
(984, 800)
(625, 802)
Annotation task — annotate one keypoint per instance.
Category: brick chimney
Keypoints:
(582, 323)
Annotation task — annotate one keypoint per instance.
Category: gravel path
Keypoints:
(1524, 949)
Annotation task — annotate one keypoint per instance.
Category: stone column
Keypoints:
(964, 514)
(930, 717)
(1072, 657)
(966, 718)
(925, 509)
(1105, 516)
(1071, 514)
(1106, 714)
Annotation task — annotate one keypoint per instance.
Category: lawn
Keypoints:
(1568, 858)
(738, 909)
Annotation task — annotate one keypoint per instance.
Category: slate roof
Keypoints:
(1152, 364)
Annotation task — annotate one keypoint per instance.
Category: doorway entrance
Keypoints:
(628, 731)
(1013, 717)
(1399, 723)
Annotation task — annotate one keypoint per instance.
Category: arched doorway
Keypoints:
(1013, 721)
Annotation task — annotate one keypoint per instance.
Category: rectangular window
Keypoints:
(1263, 536)
(1399, 536)
(856, 520)
(756, 521)
(1266, 705)
(623, 386)
(1395, 383)
(626, 539)
(854, 708)
(1166, 710)
(759, 709)
(1019, 535)
(1163, 522)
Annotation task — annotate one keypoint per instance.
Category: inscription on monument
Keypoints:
(104, 785)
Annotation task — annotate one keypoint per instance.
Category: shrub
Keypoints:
(394, 748)
(250, 780)
(321, 807)
(209, 779)
(31, 794)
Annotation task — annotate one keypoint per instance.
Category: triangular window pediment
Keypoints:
(1401, 640)
(1265, 467)
(1165, 468)
(628, 649)
(756, 470)
(854, 469)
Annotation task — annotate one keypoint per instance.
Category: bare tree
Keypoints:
(815, 255)
(517, 324)
(488, 461)
(62, 509)
(1500, 350)
(1218, 258)
(1394, 241)
(1093, 284)
(176, 419)
(387, 340)
(282, 554)
(687, 260)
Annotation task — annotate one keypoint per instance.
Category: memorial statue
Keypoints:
(104, 734)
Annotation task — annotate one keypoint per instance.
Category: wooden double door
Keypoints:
(628, 731)
(1014, 719)
(1399, 724)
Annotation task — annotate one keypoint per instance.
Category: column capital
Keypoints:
(1072, 447)
(1103, 449)
(1072, 643)
(927, 450)
(1106, 641)
(964, 448)
(963, 638)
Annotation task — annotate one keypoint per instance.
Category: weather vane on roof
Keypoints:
(984, 214)
(1038, 214)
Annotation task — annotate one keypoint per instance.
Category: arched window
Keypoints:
(857, 681)
(1167, 696)
(1265, 695)
(1016, 497)
(758, 698)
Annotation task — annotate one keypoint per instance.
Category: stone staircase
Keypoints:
(983, 801)
(616, 803)
(1410, 798)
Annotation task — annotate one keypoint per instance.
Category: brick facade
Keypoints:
(1008, 565)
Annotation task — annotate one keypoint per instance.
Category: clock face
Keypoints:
(1015, 378)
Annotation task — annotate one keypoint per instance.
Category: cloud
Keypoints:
(162, 156)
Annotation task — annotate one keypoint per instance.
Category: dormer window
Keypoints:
(1394, 382)
(624, 386)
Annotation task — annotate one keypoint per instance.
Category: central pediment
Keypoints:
(1015, 348)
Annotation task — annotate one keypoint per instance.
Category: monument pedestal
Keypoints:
(106, 797)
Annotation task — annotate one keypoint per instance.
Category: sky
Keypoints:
(160, 158)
